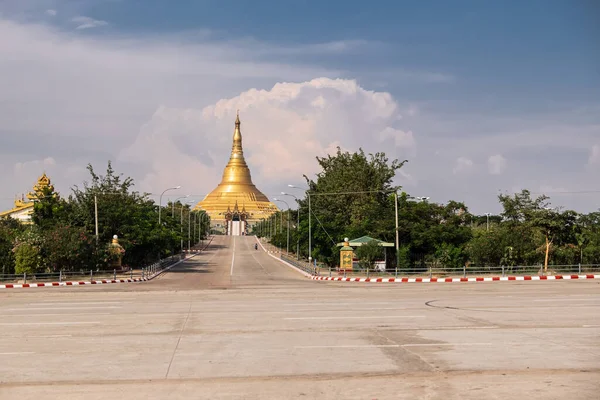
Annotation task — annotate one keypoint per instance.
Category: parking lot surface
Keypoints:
(234, 323)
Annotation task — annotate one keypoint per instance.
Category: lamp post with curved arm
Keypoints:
(175, 201)
(288, 224)
(297, 224)
(181, 223)
(307, 191)
(160, 201)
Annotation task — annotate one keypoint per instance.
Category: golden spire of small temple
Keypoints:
(24, 206)
(236, 186)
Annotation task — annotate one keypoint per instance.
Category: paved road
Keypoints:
(234, 323)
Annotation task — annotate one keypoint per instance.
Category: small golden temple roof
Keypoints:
(236, 187)
(21, 204)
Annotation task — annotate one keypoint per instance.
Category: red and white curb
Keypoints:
(83, 283)
(70, 283)
(98, 282)
(451, 280)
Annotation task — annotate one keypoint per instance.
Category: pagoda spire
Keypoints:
(237, 150)
(236, 187)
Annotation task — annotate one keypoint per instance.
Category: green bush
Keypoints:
(27, 259)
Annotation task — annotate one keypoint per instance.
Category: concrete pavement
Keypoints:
(235, 323)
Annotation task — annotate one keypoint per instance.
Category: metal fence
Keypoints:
(147, 272)
(441, 272)
(301, 264)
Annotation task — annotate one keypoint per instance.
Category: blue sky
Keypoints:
(475, 83)
(532, 47)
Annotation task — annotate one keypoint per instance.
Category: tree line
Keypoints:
(353, 195)
(62, 232)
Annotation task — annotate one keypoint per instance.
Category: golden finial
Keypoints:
(237, 117)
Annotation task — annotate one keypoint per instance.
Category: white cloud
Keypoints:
(283, 129)
(87, 22)
(496, 164)
(84, 98)
(51, 12)
(91, 95)
(35, 164)
(594, 158)
(412, 111)
(401, 138)
(462, 165)
(26, 174)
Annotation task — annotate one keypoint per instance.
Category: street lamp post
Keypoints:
(189, 228)
(181, 224)
(201, 217)
(288, 224)
(297, 224)
(397, 233)
(96, 214)
(160, 201)
(175, 201)
(309, 222)
(487, 215)
(194, 230)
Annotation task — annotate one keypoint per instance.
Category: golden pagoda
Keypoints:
(236, 198)
(24, 207)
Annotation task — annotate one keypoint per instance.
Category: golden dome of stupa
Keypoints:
(236, 188)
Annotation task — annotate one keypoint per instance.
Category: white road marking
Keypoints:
(561, 300)
(232, 257)
(591, 326)
(17, 353)
(444, 344)
(47, 336)
(357, 317)
(60, 308)
(459, 327)
(70, 303)
(357, 346)
(335, 303)
(37, 336)
(349, 310)
(53, 315)
(46, 323)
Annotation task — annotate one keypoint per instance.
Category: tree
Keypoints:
(27, 250)
(582, 241)
(484, 249)
(555, 226)
(368, 253)
(70, 248)
(124, 212)
(362, 203)
(48, 208)
(10, 229)
(427, 227)
(450, 256)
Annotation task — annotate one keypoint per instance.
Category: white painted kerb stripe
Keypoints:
(60, 308)
(350, 346)
(444, 344)
(46, 323)
(357, 317)
(71, 303)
